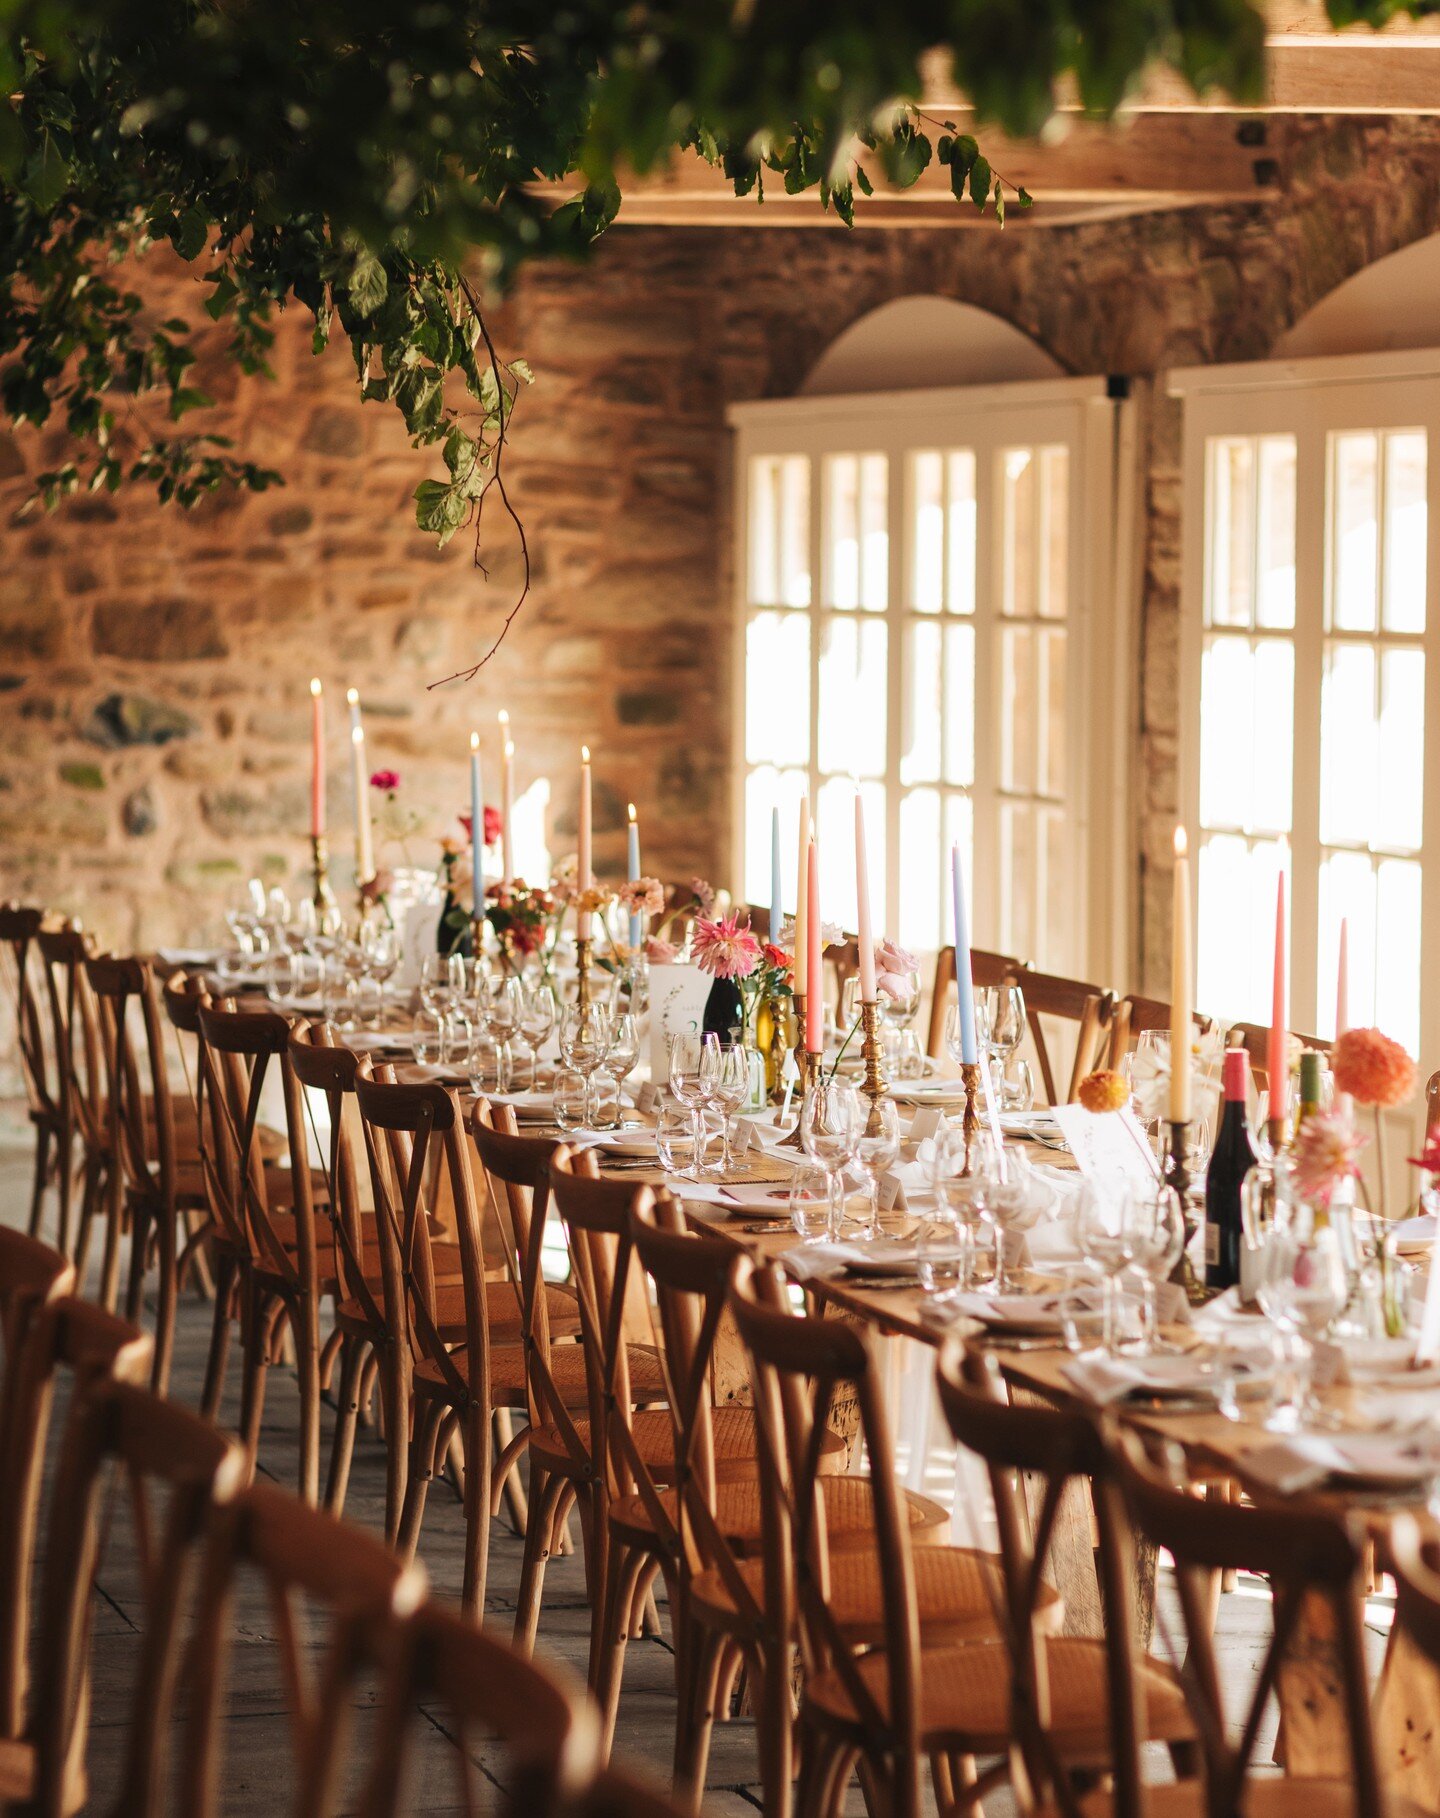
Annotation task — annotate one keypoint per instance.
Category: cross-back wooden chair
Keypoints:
(1432, 1104)
(66, 1340)
(77, 1044)
(144, 1189)
(1305, 1552)
(1043, 1702)
(279, 1260)
(315, 1572)
(31, 1273)
(172, 1464)
(478, 1688)
(985, 969)
(19, 926)
(554, 1377)
(880, 1627)
(1089, 1008)
(842, 963)
(1254, 1038)
(1134, 1015)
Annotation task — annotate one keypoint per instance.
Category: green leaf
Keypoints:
(1023, 199)
(49, 176)
(368, 285)
(980, 182)
(190, 234)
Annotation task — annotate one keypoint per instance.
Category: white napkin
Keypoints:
(1103, 1379)
(1303, 1460)
(1410, 1233)
(1028, 1312)
(187, 956)
(822, 1260)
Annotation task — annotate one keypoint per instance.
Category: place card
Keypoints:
(923, 1126)
(1108, 1145)
(647, 1098)
(891, 1196)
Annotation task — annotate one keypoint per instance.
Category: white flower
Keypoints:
(831, 934)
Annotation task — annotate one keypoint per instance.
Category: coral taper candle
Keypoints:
(364, 843)
(964, 975)
(814, 979)
(477, 828)
(865, 939)
(632, 870)
(801, 889)
(507, 798)
(1181, 974)
(583, 872)
(317, 759)
(1277, 1059)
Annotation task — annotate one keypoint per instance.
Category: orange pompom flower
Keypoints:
(1104, 1091)
(1373, 1069)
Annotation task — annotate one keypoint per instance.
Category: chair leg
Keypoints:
(396, 1400)
(89, 1205)
(422, 1469)
(304, 1323)
(625, 1568)
(42, 1175)
(695, 1716)
(347, 1414)
(546, 1496)
(478, 1448)
(114, 1221)
(167, 1289)
(514, 1489)
(65, 1183)
(257, 1329)
(774, 1733)
(139, 1260)
(210, 1394)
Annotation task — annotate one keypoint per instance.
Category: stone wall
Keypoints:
(153, 666)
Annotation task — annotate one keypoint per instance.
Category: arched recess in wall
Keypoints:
(926, 341)
(1389, 306)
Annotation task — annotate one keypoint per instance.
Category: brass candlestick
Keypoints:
(970, 1117)
(322, 896)
(1175, 1172)
(477, 936)
(582, 962)
(874, 1084)
(811, 1067)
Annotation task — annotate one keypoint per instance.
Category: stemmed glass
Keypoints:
(623, 1054)
(585, 1032)
(1156, 1225)
(1302, 1286)
(1000, 1025)
(830, 1124)
(538, 1012)
(1105, 1232)
(692, 1072)
(503, 999)
(1008, 1185)
(729, 1089)
(957, 1212)
(876, 1151)
(898, 1008)
(380, 947)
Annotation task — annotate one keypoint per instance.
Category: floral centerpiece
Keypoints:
(1150, 1077)
(729, 948)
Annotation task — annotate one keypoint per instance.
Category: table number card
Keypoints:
(677, 1005)
(421, 936)
(1108, 1145)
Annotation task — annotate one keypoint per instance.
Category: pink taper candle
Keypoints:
(866, 939)
(317, 759)
(814, 947)
(1277, 1059)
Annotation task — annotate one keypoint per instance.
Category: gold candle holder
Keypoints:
(874, 1084)
(322, 895)
(1175, 1172)
(477, 936)
(970, 1117)
(810, 1067)
(583, 944)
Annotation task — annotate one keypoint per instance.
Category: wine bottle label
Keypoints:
(1212, 1244)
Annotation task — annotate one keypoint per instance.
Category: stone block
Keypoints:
(647, 707)
(242, 813)
(140, 812)
(82, 776)
(121, 720)
(160, 631)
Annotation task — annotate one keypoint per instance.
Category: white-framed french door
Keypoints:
(932, 604)
(1311, 682)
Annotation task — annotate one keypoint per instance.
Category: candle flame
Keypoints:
(509, 748)
(504, 718)
(352, 696)
(357, 735)
(315, 686)
(632, 810)
(1182, 843)
(474, 741)
(584, 754)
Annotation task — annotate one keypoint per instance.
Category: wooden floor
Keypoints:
(256, 1774)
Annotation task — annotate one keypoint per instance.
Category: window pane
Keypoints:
(765, 790)
(1019, 508)
(852, 706)
(1054, 532)
(1017, 708)
(960, 704)
(779, 530)
(1051, 768)
(1348, 776)
(1405, 531)
(1246, 733)
(1354, 514)
(1347, 891)
(922, 863)
(777, 731)
(1397, 952)
(842, 532)
(1275, 533)
(1231, 543)
(961, 509)
(1055, 895)
(874, 533)
(1274, 736)
(924, 679)
(1018, 861)
(960, 830)
(1399, 793)
(1236, 931)
(927, 547)
(835, 831)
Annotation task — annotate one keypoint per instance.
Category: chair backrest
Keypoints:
(31, 1273)
(423, 1118)
(81, 1340)
(1069, 1000)
(1134, 1015)
(324, 1067)
(517, 1170)
(798, 1367)
(314, 1569)
(476, 1687)
(1415, 1561)
(985, 969)
(126, 986)
(1254, 1038)
(241, 1046)
(1052, 1447)
(76, 1037)
(159, 1447)
(1306, 1552)
(842, 963)
(19, 926)
(597, 1217)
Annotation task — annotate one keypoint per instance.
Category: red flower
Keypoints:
(494, 825)
(777, 958)
(388, 780)
(1429, 1156)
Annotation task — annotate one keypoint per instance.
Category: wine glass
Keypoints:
(538, 1012)
(830, 1125)
(380, 946)
(1156, 1224)
(692, 1075)
(624, 1053)
(945, 1242)
(729, 1089)
(1302, 1285)
(876, 1151)
(585, 1041)
(1000, 1021)
(502, 1000)
(1105, 1235)
(1010, 1195)
(899, 1005)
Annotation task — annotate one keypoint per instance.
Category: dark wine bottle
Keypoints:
(1231, 1161)
(724, 1011)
